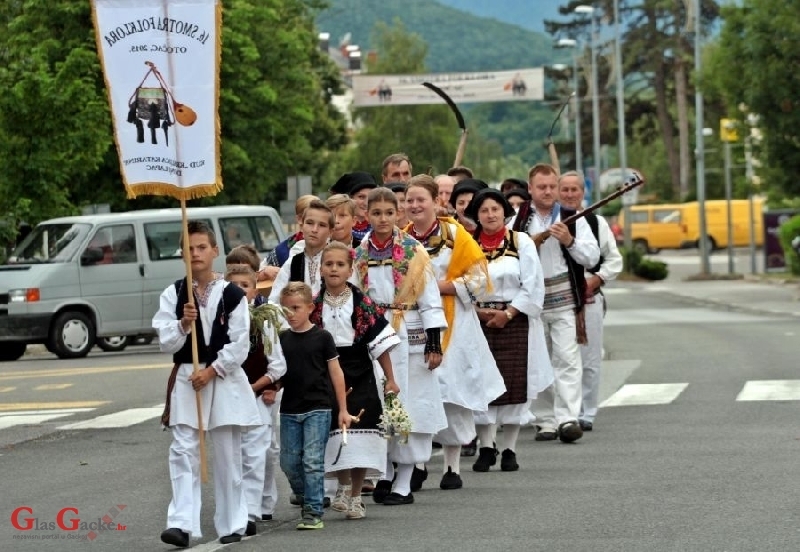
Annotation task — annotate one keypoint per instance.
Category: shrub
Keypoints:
(787, 232)
(651, 270)
(630, 259)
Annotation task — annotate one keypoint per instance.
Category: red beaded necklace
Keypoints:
(491, 242)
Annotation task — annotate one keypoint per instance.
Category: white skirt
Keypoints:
(416, 451)
(365, 448)
(512, 414)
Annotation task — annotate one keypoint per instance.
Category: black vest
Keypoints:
(297, 268)
(591, 218)
(206, 355)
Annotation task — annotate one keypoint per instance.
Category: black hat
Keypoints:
(468, 185)
(489, 193)
(396, 186)
(519, 192)
(352, 183)
(516, 182)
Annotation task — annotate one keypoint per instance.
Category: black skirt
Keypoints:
(509, 347)
(359, 376)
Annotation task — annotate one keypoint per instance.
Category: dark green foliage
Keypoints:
(631, 259)
(651, 270)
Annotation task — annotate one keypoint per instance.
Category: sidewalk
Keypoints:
(748, 295)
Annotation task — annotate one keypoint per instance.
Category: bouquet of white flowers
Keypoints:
(395, 421)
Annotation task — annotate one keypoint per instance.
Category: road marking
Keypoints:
(68, 372)
(770, 390)
(49, 406)
(638, 317)
(640, 394)
(123, 418)
(616, 291)
(6, 389)
(52, 386)
(35, 419)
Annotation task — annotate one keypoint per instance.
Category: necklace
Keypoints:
(337, 301)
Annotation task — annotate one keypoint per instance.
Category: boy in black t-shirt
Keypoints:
(312, 369)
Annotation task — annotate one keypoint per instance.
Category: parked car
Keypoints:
(75, 280)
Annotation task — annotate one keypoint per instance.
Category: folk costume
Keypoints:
(256, 441)
(398, 276)
(361, 334)
(519, 348)
(468, 376)
(299, 268)
(557, 408)
(350, 184)
(607, 269)
(228, 403)
(279, 255)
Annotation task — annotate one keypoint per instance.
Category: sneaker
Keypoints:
(450, 481)
(470, 449)
(396, 499)
(487, 457)
(569, 432)
(356, 508)
(417, 477)
(308, 522)
(382, 489)
(543, 434)
(342, 498)
(508, 462)
(586, 425)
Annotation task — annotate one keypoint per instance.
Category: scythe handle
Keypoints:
(462, 145)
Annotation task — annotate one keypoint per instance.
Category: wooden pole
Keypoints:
(187, 259)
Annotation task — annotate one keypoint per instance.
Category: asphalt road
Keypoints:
(676, 462)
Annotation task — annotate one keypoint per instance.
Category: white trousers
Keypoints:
(184, 470)
(269, 499)
(592, 358)
(255, 443)
(561, 402)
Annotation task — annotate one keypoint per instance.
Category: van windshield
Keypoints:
(50, 243)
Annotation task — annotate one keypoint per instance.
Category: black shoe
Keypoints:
(569, 432)
(450, 481)
(228, 539)
(367, 487)
(471, 449)
(436, 445)
(175, 537)
(487, 457)
(326, 502)
(508, 461)
(394, 499)
(266, 517)
(586, 426)
(417, 477)
(546, 435)
(382, 489)
(251, 529)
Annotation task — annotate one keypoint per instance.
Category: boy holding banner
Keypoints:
(222, 322)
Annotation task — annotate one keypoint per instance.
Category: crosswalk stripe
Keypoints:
(6, 407)
(6, 389)
(770, 390)
(45, 411)
(52, 386)
(123, 418)
(29, 419)
(639, 317)
(641, 394)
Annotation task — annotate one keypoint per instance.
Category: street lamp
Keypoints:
(590, 11)
(571, 43)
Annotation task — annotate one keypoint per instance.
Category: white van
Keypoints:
(76, 279)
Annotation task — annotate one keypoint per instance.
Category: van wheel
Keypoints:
(711, 245)
(72, 335)
(114, 344)
(640, 246)
(12, 351)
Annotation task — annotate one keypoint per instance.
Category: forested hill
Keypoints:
(457, 41)
(529, 14)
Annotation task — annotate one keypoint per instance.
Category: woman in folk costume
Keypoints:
(362, 334)
(468, 377)
(509, 315)
(394, 269)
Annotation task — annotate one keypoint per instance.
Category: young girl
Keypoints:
(468, 377)
(361, 334)
(395, 271)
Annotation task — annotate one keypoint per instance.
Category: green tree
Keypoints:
(751, 64)
(56, 144)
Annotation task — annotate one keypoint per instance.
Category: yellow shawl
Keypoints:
(467, 256)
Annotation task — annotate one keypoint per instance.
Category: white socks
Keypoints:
(452, 457)
(510, 435)
(402, 485)
(487, 435)
(389, 475)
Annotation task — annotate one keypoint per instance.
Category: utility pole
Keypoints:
(700, 156)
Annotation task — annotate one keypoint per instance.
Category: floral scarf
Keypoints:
(367, 319)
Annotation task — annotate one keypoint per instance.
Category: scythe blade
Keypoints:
(462, 144)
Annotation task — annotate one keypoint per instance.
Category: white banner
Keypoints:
(161, 64)
(496, 86)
